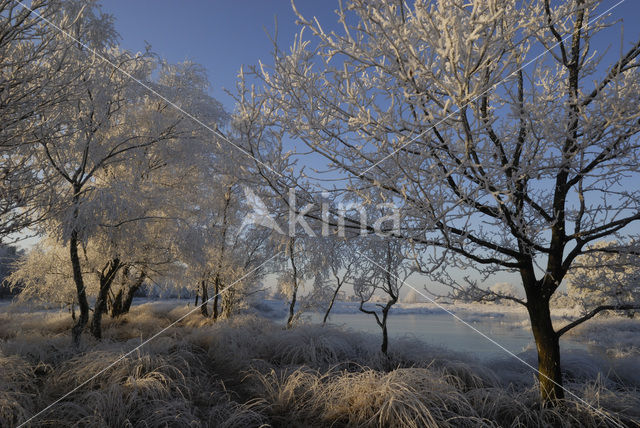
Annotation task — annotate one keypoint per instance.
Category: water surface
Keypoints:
(442, 329)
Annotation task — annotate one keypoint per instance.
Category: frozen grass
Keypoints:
(248, 371)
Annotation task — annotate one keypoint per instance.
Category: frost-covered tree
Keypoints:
(99, 148)
(207, 236)
(340, 266)
(72, 121)
(45, 275)
(604, 281)
(249, 254)
(291, 280)
(382, 268)
(34, 68)
(499, 164)
(221, 252)
(268, 172)
(302, 267)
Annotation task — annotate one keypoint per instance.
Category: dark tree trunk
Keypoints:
(333, 300)
(381, 321)
(547, 345)
(197, 296)
(394, 299)
(107, 276)
(385, 338)
(205, 299)
(115, 304)
(385, 333)
(99, 308)
(294, 294)
(83, 304)
(216, 290)
(129, 295)
(292, 308)
(124, 298)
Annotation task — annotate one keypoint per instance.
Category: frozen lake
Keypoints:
(442, 329)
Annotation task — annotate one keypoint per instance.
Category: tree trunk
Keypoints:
(115, 304)
(197, 296)
(83, 304)
(394, 299)
(333, 300)
(292, 306)
(548, 346)
(107, 276)
(124, 298)
(98, 309)
(385, 334)
(228, 300)
(131, 291)
(205, 298)
(294, 294)
(385, 339)
(383, 323)
(216, 290)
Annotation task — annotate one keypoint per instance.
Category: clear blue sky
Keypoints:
(222, 35)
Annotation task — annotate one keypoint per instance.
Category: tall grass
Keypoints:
(248, 372)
